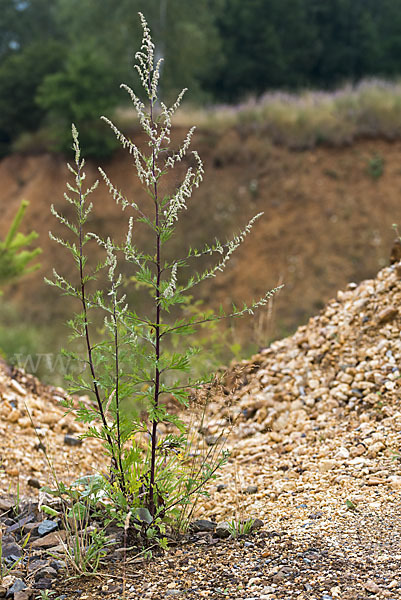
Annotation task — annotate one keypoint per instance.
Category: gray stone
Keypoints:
(35, 565)
(44, 584)
(251, 489)
(46, 572)
(70, 440)
(17, 586)
(202, 525)
(222, 530)
(11, 550)
(257, 524)
(47, 526)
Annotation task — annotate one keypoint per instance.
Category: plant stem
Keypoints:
(117, 396)
(152, 506)
(86, 325)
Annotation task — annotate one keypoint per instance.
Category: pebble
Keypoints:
(251, 489)
(35, 483)
(70, 440)
(17, 586)
(202, 525)
(47, 526)
(372, 586)
(222, 530)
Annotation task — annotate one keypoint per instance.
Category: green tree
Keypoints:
(267, 44)
(21, 74)
(15, 259)
(348, 42)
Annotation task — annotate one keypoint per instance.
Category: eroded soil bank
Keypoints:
(327, 220)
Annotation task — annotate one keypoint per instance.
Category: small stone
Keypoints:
(221, 487)
(24, 594)
(11, 550)
(70, 440)
(17, 387)
(47, 572)
(251, 489)
(45, 584)
(395, 482)
(375, 481)
(257, 524)
(50, 540)
(316, 515)
(387, 315)
(35, 483)
(372, 586)
(17, 586)
(222, 530)
(202, 525)
(326, 465)
(47, 526)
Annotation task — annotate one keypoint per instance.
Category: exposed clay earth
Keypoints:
(315, 455)
(328, 216)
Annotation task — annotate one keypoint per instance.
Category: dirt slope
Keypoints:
(326, 222)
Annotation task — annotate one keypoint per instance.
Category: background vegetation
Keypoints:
(56, 68)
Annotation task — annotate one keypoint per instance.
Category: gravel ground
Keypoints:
(314, 454)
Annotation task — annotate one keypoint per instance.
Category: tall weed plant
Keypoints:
(153, 476)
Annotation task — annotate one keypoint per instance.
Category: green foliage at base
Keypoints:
(14, 258)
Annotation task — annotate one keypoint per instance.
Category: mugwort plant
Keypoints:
(153, 475)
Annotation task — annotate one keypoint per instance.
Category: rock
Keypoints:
(6, 504)
(46, 572)
(221, 487)
(17, 586)
(70, 440)
(26, 594)
(326, 465)
(222, 530)
(11, 550)
(375, 481)
(372, 586)
(387, 315)
(35, 483)
(257, 524)
(50, 540)
(44, 584)
(35, 565)
(395, 482)
(251, 489)
(316, 515)
(202, 525)
(47, 526)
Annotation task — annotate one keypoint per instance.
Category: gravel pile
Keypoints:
(315, 455)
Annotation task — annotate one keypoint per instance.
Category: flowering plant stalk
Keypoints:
(133, 361)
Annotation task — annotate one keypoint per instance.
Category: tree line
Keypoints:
(63, 61)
